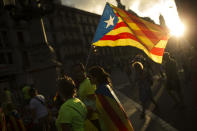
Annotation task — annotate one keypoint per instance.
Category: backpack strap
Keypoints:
(43, 103)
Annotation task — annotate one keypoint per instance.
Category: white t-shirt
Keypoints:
(39, 107)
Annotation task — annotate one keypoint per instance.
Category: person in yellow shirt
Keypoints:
(26, 95)
(86, 93)
(8, 95)
(73, 112)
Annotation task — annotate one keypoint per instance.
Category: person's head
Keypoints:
(139, 57)
(66, 87)
(33, 92)
(98, 75)
(78, 72)
(166, 56)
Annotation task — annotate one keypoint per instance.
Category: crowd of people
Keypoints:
(78, 100)
(74, 107)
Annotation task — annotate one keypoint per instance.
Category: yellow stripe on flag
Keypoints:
(129, 42)
(161, 44)
(119, 30)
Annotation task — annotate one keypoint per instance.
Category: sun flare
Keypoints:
(169, 11)
(177, 30)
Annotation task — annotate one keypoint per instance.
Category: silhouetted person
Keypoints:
(172, 83)
(105, 98)
(8, 95)
(86, 93)
(26, 96)
(73, 112)
(39, 111)
(144, 83)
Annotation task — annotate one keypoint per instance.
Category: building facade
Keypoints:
(25, 57)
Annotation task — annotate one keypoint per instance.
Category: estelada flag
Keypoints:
(121, 28)
(111, 113)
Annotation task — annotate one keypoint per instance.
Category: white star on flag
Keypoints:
(110, 21)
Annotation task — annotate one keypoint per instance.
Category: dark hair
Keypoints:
(166, 56)
(100, 74)
(32, 91)
(66, 86)
(79, 65)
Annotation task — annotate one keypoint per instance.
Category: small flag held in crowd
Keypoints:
(121, 28)
(111, 111)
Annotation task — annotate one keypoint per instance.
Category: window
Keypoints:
(75, 36)
(20, 37)
(51, 23)
(92, 29)
(84, 19)
(78, 19)
(90, 39)
(80, 29)
(4, 38)
(86, 29)
(95, 21)
(4, 35)
(1, 44)
(25, 57)
(90, 20)
(54, 37)
(10, 58)
(2, 58)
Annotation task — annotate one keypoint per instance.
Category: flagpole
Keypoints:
(88, 57)
(91, 47)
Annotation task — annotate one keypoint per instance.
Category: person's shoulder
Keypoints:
(86, 82)
(40, 96)
(70, 102)
(33, 101)
(75, 101)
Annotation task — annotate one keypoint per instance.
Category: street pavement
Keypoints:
(162, 119)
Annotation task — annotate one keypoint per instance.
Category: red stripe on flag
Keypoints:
(114, 117)
(121, 24)
(119, 36)
(164, 38)
(19, 125)
(117, 14)
(122, 36)
(157, 51)
(143, 28)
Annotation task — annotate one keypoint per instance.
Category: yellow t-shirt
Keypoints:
(25, 91)
(8, 96)
(85, 89)
(72, 112)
